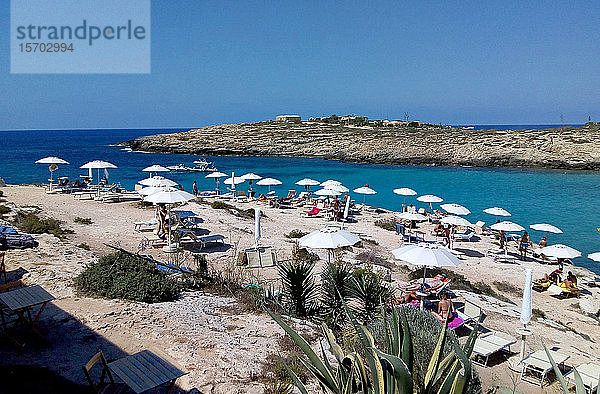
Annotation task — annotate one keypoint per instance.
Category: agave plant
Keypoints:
(335, 286)
(579, 385)
(386, 372)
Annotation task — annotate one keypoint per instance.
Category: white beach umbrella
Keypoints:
(338, 188)
(269, 182)
(456, 221)
(594, 256)
(169, 196)
(328, 238)
(157, 181)
(405, 191)
(307, 182)
(497, 211)
(99, 165)
(546, 227)
(506, 226)
(526, 310)
(560, 251)
(526, 304)
(155, 168)
(365, 190)
(216, 174)
(234, 180)
(412, 216)
(330, 182)
(250, 176)
(256, 226)
(426, 255)
(54, 162)
(429, 198)
(455, 209)
(347, 207)
(327, 192)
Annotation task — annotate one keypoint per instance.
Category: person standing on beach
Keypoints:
(195, 189)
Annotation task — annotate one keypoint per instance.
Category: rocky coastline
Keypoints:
(565, 148)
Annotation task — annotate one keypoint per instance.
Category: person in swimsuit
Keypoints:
(525, 243)
(445, 308)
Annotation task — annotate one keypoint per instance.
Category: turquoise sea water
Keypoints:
(567, 199)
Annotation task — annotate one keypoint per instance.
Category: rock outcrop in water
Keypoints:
(567, 148)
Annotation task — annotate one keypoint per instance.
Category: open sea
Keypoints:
(566, 199)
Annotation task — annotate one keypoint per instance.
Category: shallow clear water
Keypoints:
(567, 199)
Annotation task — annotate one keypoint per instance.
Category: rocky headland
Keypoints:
(564, 148)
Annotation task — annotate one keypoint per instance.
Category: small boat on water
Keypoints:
(204, 167)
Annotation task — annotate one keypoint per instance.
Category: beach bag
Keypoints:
(17, 241)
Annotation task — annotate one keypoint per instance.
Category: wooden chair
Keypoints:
(3, 266)
(103, 387)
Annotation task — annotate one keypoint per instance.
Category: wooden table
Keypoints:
(22, 300)
(145, 370)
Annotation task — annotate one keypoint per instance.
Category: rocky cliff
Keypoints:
(568, 148)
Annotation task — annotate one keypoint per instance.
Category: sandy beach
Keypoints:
(224, 346)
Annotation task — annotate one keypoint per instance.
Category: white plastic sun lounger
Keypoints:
(148, 223)
(590, 375)
(489, 344)
(538, 363)
(470, 314)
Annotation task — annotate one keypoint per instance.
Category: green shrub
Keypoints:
(295, 234)
(82, 220)
(221, 205)
(386, 224)
(31, 223)
(83, 246)
(4, 210)
(126, 276)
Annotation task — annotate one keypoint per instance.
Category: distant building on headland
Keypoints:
(288, 118)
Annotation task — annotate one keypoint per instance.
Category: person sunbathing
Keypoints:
(445, 309)
(570, 284)
(408, 298)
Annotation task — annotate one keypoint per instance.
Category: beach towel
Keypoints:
(7, 230)
(17, 241)
(456, 322)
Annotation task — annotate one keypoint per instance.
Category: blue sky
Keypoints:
(450, 62)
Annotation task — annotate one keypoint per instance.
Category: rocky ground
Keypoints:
(567, 148)
(223, 345)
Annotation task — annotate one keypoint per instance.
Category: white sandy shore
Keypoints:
(221, 345)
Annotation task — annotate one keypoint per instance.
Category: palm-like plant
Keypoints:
(335, 286)
(299, 292)
(386, 372)
(368, 293)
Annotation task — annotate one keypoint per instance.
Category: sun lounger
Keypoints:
(491, 343)
(148, 223)
(561, 291)
(466, 236)
(589, 373)
(88, 193)
(537, 363)
(311, 213)
(470, 314)
(206, 239)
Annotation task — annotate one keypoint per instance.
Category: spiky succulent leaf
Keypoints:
(297, 382)
(559, 375)
(401, 374)
(315, 361)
